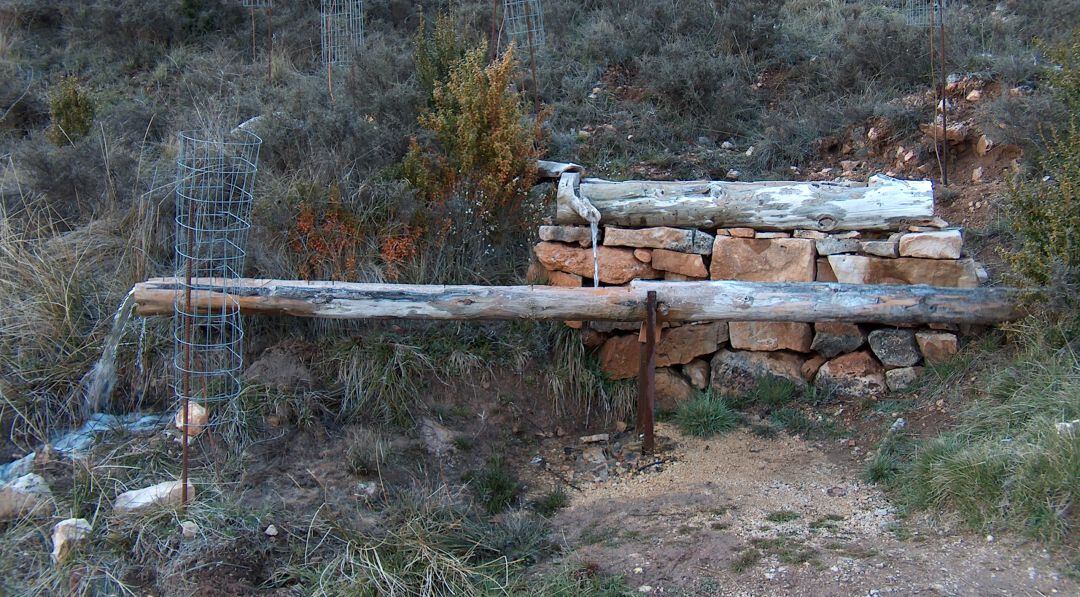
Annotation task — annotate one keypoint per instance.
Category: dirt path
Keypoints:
(743, 515)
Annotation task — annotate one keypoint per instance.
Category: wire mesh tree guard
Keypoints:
(215, 179)
(922, 13)
(252, 6)
(523, 23)
(342, 35)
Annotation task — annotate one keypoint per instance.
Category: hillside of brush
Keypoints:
(373, 174)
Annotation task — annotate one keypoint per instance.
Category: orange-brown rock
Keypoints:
(763, 260)
(810, 368)
(740, 232)
(768, 335)
(643, 255)
(686, 264)
(617, 266)
(937, 347)
(619, 357)
(557, 278)
(853, 375)
(824, 270)
(857, 269)
(697, 371)
(672, 389)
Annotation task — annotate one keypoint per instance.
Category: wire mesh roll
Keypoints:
(523, 23)
(342, 31)
(215, 178)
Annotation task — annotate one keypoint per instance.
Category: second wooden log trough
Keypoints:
(678, 301)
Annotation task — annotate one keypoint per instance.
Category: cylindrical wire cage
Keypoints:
(214, 191)
(523, 23)
(342, 31)
(921, 13)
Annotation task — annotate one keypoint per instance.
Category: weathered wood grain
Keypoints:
(882, 204)
(680, 301)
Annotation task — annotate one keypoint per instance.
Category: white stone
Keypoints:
(189, 529)
(66, 535)
(25, 495)
(271, 531)
(166, 494)
(942, 244)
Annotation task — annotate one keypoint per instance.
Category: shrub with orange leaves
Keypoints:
(399, 249)
(326, 240)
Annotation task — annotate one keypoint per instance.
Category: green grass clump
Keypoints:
(585, 580)
(1005, 463)
(797, 422)
(768, 392)
(746, 560)
(496, 486)
(551, 502)
(705, 416)
(781, 516)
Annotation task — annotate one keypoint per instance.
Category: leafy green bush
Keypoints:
(481, 150)
(1046, 213)
(437, 52)
(705, 416)
(72, 109)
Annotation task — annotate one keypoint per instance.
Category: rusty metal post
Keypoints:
(647, 379)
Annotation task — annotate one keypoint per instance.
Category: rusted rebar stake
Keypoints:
(647, 378)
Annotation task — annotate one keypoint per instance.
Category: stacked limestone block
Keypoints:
(851, 360)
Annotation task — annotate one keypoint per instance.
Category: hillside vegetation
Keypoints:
(420, 168)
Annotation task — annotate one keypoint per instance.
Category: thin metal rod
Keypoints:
(647, 378)
(254, 54)
(944, 101)
(493, 51)
(269, 43)
(532, 62)
(185, 380)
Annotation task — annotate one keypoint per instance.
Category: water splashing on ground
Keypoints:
(97, 385)
(594, 227)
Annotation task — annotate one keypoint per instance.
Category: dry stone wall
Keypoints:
(849, 359)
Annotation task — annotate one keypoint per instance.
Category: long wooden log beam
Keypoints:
(882, 204)
(679, 301)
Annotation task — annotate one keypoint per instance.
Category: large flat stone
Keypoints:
(763, 260)
(617, 266)
(831, 339)
(858, 269)
(853, 375)
(941, 244)
(686, 264)
(735, 372)
(768, 335)
(582, 235)
(661, 237)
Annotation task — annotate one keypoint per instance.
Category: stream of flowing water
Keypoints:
(594, 227)
(98, 384)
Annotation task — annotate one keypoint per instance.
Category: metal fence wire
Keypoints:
(523, 23)
(257, 3)
(215, 178)
(921, 13)
(342, 30)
